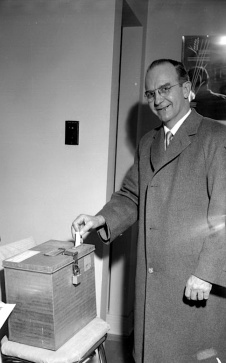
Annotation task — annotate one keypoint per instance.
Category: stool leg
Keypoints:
(102, 355)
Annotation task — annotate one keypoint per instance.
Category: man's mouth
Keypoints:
(163, 108)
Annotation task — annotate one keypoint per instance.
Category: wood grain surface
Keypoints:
(49, 308)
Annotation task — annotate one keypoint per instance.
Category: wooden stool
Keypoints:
(78, 349)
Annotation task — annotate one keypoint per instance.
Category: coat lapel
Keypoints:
(182, 139)
(157, 149)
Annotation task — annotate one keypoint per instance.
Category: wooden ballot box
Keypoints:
(53, 287)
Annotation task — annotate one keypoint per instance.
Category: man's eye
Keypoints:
(150, 94)
(165, 89)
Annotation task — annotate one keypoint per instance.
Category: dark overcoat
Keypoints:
(179, 198)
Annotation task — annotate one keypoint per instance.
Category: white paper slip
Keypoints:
(5, 311)
(78, 239)
(23, 256)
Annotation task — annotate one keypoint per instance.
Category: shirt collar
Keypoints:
(178, 124)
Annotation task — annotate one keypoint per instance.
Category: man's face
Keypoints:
(171, 107)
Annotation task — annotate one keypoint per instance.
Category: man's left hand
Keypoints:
(197, 289)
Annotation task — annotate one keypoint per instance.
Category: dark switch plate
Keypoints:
(71, 132)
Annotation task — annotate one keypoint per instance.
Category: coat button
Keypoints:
(150, 270)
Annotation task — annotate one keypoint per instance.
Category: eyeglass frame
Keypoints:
(160, 90)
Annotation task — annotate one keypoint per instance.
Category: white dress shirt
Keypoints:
(176, 127)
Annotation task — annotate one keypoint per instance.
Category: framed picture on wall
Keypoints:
(204, 56)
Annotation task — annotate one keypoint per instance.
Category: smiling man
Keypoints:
(167, 91)
(176, 190)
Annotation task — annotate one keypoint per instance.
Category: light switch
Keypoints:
(71, 132)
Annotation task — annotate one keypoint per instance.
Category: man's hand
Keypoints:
(197, 289)
(85, 223)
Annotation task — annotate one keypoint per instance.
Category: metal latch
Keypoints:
(72, 252)
(77, 277)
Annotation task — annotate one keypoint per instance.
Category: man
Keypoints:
(205, 101)
(177, 192)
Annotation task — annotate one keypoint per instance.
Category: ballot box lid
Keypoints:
(44, 258)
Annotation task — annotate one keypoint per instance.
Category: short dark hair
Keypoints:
(180, 68)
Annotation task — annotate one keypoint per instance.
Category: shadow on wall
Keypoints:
(148, 121)
(135, 130)
(132, 127)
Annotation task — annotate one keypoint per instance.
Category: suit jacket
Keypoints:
(179, 198)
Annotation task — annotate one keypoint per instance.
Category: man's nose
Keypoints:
(157, 98)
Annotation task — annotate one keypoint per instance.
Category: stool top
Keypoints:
(72, 351)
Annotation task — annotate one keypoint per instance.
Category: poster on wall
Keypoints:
(204, 56)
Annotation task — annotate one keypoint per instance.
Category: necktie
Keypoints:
(169, 137)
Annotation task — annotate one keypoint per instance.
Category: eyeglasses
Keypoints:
(162, 91)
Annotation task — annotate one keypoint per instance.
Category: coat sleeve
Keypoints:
(212, 259)
(121, 211)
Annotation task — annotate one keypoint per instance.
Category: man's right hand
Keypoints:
(85, 223)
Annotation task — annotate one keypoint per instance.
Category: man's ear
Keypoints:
(186, 89)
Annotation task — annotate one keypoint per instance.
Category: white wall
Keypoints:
(55, 65)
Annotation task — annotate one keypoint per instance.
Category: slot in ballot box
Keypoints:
(53, 287)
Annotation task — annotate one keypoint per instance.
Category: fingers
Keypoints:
(87, 227)
(194, 294)
(206, 295)
(197, 295)
(197, 289)
(85, 223)
(81, 224)
(187, 292)
(200, 295)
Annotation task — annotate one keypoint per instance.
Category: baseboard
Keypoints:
(119, 338)
(121, 326)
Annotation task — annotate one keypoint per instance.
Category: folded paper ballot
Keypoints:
(5, 311)
(78, 239)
